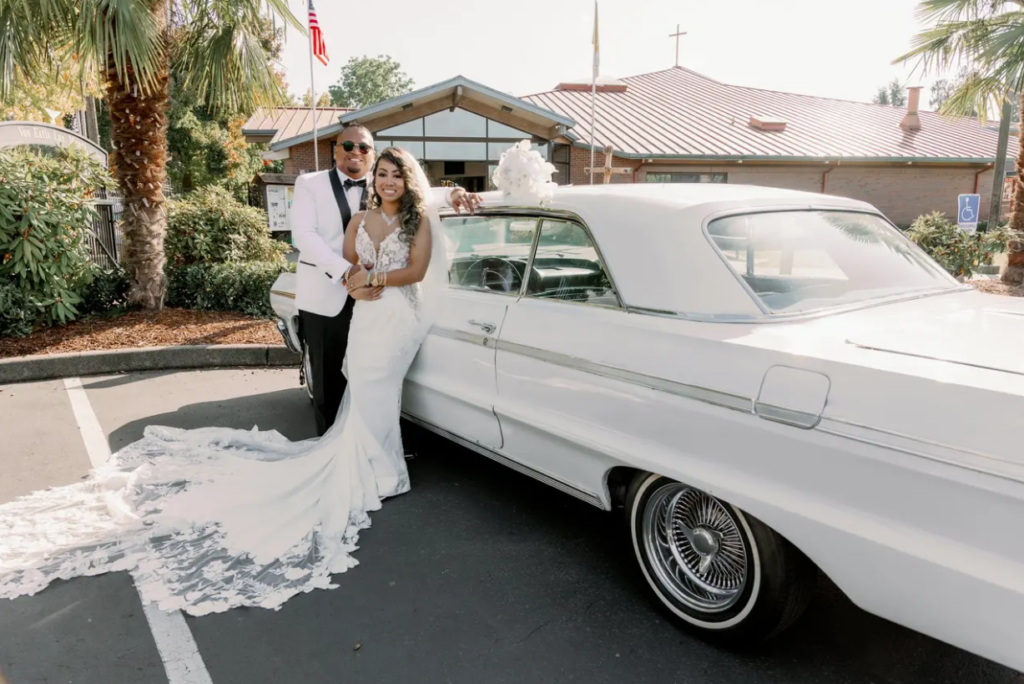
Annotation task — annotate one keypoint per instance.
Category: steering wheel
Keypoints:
(495, 273)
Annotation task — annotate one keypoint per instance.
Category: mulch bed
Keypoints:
(999, 288)
(170, 327)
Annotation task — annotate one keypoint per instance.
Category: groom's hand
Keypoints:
(352, 278)
(461, 199)
(367, 293)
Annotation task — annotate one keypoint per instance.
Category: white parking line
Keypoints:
(182, 661)
(92, 434)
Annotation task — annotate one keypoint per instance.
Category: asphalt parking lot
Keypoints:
(479, 575)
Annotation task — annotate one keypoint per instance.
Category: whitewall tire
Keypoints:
(725, 575)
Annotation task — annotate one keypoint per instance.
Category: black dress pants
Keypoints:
(326, 340)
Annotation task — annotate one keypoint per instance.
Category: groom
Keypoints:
(322, 206)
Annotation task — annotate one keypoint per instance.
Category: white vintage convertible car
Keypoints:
(770, 383)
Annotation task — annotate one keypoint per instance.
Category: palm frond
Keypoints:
(942, 11)
(23, 25)
(1003, 51)
(976, 94)
(984, 37)
(126, 32)
(224, 56)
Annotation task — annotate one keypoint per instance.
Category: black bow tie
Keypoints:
(356, 183)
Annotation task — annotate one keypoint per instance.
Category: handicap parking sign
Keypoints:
(969, 206)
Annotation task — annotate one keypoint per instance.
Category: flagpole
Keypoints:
(593, 98)
(312, 94)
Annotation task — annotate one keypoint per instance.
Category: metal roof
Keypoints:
(294, 125)
(288, 122)
(444, 87)
(680, 114)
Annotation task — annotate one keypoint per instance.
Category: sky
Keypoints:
(832, 49)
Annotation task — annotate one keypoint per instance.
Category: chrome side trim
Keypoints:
(742, 404)
(779, 319)
(786, 416)
(696, 392)
(706, 395)
(930, 357)
(918, 454)
(282, 293)
(918, 440)
(587, 497)
(462, 336)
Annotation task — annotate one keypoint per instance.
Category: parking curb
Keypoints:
(55, 366)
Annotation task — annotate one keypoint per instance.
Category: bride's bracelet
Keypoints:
(379, 279)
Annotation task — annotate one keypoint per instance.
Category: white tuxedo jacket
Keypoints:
(318, 230)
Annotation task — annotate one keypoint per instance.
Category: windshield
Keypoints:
(805, 260)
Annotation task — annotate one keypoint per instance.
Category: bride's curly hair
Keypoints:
(413, 204)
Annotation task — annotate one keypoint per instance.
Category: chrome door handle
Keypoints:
(486, 327)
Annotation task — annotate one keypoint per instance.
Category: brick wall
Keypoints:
(902, 194)
(905, 194)
(579, 161)
(301, 157)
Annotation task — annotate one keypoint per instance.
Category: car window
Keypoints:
(489, 253)
(567, 267)
(806, 260)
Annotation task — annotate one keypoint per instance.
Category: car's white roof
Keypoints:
(684, 195)
(651, 238)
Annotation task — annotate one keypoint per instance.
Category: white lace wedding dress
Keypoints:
(211, 519)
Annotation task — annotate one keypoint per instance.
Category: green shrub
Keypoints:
(241, 287)
(211, 226)
(106, 292)
(955, 250)
(45, 217)
(17, 312)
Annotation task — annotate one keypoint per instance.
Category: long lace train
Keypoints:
(213, 518)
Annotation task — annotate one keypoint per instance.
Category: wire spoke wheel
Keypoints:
(695, 548)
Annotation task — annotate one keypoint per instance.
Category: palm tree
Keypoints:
(132, 45)
(987, 38)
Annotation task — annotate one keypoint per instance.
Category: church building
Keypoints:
(671, 126)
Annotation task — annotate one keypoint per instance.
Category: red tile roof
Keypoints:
(678, 113)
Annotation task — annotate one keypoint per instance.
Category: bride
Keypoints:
(211, 519)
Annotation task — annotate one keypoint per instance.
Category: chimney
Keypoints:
(911, 121)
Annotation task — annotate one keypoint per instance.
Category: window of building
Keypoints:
(560, 156)
(455, 151)
(457, 124)
(687, 177)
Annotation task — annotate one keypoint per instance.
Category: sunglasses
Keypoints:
(348, 146)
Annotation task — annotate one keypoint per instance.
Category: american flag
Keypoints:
(317, 37)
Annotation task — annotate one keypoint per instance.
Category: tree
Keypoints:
(984, 35)
(893, 94)
(366, 81)
(218, 48)
(945, 88)
(37, 98)
(206, 147)
(323, 101)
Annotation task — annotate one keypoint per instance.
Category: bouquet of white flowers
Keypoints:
(523, 175)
